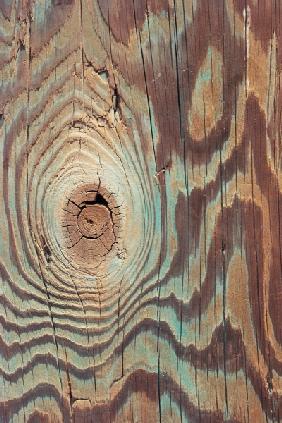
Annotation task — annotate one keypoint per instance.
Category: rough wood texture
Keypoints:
(141, 193)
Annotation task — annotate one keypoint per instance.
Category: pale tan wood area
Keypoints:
(140, 253)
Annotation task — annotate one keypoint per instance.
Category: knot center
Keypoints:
(94, 220)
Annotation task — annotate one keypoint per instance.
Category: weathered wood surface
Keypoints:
(140, 211)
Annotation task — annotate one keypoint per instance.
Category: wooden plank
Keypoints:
(140, 211)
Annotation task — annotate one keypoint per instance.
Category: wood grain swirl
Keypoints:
(140, 253)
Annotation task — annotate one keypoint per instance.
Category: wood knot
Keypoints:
(90, 225)
(94, 220)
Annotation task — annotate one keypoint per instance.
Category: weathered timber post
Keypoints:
(140, 253)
